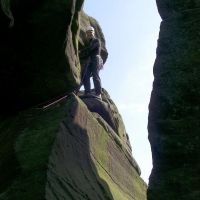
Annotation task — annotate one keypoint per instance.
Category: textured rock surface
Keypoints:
(109, 112)
(39, 53)
(88, 159)
(68, 151)
(83, 161)
(174, 118)
(32, 53)
(25, 144)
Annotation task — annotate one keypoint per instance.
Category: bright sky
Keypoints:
(131, 29)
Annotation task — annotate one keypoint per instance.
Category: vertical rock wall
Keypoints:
(89, 161)
(38, 54)
(174, 110)
(39, 43)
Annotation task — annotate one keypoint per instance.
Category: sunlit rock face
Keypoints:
(168, 8)
(90, 160)
(107, 110)
(174, 117)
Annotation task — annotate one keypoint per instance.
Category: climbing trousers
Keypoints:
(92, 69)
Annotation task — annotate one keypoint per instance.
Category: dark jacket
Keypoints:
(94, 47)
(91, 49)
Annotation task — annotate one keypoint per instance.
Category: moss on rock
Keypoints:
(27, 139)
(174, 107)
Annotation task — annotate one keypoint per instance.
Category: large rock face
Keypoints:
(109, 112)
(39, 53)
(78, 149)
(33, 51)
(66, 152)
(174, 118)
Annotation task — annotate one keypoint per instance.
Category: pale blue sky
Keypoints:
(131, 29)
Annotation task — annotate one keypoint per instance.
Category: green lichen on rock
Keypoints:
(88, 167)
(170, 8)
(174, 108)
(109, 112)
(27, 139)
(65, 152)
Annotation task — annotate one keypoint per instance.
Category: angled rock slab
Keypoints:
(87, 163)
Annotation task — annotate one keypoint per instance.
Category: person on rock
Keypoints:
(92, 50)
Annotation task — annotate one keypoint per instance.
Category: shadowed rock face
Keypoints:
(33, 52)
(174, 117)
(109, 112)
(83, 160)
(39, 53)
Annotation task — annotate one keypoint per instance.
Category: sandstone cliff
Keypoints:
(68, 152)
(174, 107)
(33, 51)
(77, 149)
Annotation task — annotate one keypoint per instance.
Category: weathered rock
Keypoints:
(83, 161)
(168, 8)
(39, 53)
(88, 159)
(174, 115)
(66, 151)
(109, 112)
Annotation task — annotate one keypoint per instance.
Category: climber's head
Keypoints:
(90, 32)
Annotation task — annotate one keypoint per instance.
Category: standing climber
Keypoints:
(95, 63)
